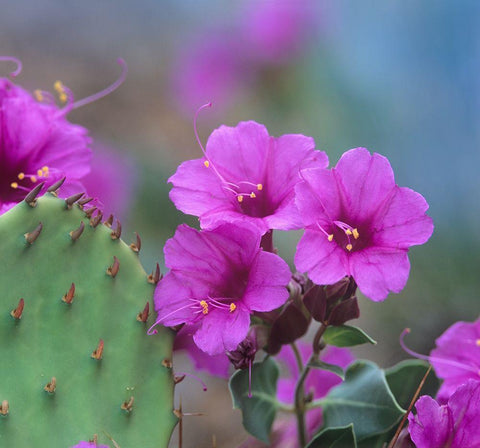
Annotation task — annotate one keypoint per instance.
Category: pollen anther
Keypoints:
(14, 185)
(233, 307)
(21, 176)
(348, 232)
(33, 178)
(477, 342)
(356, 235)
(259, 187)
(349, 247)
(330, 237)
(253, 195)
(206, 163)
(204, 306)
(240, 198)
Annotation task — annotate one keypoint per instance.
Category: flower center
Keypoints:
(41, 173)
(343, 234)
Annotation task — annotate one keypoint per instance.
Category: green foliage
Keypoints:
(317, 364)
(363, 399)
(346, 336)
(259, 411)
(342, 437)
(56, 339)
(405, 377)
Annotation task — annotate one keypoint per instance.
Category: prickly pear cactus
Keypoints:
(75, 361)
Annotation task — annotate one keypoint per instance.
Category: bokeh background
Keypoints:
(399, 77)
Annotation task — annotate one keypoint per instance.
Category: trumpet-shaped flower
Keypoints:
(217, 279)
(456, 358)
(245, 175)
(453, 425)
(38, 143)
(359, 223)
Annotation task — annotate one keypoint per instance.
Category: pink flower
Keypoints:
(212, 68)
(276, 31)
(359, 223)
(216, 365)
(110, 181)
(246, 175)
(453, 425)
(37, 144)
(456, 359)
(217, 279)
(89, 445)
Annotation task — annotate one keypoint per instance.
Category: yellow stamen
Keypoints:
(33, 178)
(21, 176)
(356, 235)
(253, 195)
(58, 86)
(14, 185)
(38, 95)
(206, 163)
(478, 342)
(204, 305)
(259, 187)
(63, 97)
(348, 232)
(233, 307)
(39, 173)
(45, 169)
(330, 237)
(349, 247)
(240, 198)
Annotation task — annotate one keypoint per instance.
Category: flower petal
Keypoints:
(403, 222)
(267, 283)
(378, 271)
(325, 262)
(222, 330)
(433, 424)
(366, 181)
(318, 198)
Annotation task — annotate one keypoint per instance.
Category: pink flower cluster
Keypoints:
(357, 223)
(452, 420)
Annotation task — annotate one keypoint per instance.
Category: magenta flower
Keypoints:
(217, 279)
(216, 365)
(38, 144)
(212, 68)
(359, 223)
(318, 382)
(89, 445)
(246, 175)
(276, 31)
(110, 181)
(453, 425)
(456, 358)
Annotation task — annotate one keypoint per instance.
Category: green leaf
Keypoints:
(363, 399)
(346, 336)
(342, 437)
(317, 364)
(259, 411)
(405, 377)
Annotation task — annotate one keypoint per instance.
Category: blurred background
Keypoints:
(400, 78)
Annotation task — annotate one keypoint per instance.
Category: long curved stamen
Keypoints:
(152, 330)
(195, 377)
(328, 235)
(43, 96)
(444, 361)
(108, 90)
(18, 70)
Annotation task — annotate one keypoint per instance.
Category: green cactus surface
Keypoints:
(125, 397)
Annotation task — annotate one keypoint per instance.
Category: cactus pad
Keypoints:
(69, 371)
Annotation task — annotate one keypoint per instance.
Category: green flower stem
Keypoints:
(300, 403)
